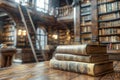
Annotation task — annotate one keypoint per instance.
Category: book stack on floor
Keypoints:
(87, 59)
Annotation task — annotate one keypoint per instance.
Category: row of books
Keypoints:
(109, 24)
(86, 41)
(85, 9)
(109, 7)
(62, 31)
(22, 39)
(9, 29)
(119, 5)
(8, 43)
(83, 23)
(88, 17)
(109, 31)
(110, 16)
(86, 29)
(86, 36)
(62, 34)
(62, 37)
(113, 46)
(9, 33)
(109, 39)
(8, 38)
(101, 1)
(8, 26)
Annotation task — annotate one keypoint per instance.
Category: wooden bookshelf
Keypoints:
(85, 27)
(9, 34)
(109, 24)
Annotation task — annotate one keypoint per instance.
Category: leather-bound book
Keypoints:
(94, 69)
(82, 49)
(82, 58)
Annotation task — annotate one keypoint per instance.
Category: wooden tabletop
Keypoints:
(42, 71)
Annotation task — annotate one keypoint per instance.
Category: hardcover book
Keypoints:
(81, 58)
(93, 69)
(82, 49)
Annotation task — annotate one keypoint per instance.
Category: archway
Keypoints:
(41, 38)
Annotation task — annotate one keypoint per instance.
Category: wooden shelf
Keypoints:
(86, 25)
(85, 5)
(118, 42)
(109, 12)
(106, 2)
(109, 35)
(113, 51)
(85, 14)
(109, 27)
(109, 20)
(87, 20)
(85, 32)
(86, 39)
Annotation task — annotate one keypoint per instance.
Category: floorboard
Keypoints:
(42, 71)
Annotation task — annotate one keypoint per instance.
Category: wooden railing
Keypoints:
(64, 11)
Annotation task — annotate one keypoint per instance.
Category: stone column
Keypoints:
(76, 21)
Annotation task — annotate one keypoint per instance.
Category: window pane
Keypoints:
(40, 3)
(42, 38)
(46, 1)
(18, 1)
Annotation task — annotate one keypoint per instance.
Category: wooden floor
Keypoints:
(42, 71)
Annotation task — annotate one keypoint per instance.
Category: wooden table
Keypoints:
(6, 56)
(43, 71)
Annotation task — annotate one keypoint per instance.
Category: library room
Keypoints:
(59, 39)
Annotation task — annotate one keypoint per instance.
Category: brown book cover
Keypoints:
(83, 49)
(93, 69)
(81, 58)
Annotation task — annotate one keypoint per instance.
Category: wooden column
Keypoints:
(76, 21)
(94, 21)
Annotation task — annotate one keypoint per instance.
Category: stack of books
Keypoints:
(87, 59)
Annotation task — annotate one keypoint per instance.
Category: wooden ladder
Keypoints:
(26, 14)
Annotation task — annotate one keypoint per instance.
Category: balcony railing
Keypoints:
(64, 11)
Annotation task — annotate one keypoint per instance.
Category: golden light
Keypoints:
(24, 32)
(55, 36)
(19, 32)
(68, 38)
(88, 1)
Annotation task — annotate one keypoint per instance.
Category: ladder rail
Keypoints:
(33, 26)
(28, 35)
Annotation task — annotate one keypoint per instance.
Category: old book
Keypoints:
(82, 49)
(93, 69)
(81, 58)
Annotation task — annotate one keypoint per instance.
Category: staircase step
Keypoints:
(40, 59)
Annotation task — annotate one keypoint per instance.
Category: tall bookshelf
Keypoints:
(86, 24)
(109, 24)
(9, 35)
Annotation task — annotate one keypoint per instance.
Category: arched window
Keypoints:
(41, 39)
(42, 5)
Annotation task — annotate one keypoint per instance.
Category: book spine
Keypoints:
(81, 58)
(81, 67)
(71, 57)
(73, 66)
(72, 49)
(81, 49)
